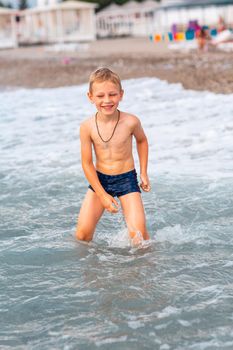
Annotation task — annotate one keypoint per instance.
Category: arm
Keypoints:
(142, 149)
(90, 171)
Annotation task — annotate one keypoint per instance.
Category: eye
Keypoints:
(113, 94)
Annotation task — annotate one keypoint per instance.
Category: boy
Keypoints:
(110, 132)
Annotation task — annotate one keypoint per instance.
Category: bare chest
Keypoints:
(114, 137)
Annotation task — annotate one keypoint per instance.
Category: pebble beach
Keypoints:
(69, 65)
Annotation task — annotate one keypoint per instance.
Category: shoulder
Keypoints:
(86, 125)
(135, 126)
(85, 128)
(87, 122)
(131, 119)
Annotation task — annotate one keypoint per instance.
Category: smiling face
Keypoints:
(106, 96)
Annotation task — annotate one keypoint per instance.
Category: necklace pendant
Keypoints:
(105, 145)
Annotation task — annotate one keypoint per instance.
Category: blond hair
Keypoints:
(104, 74)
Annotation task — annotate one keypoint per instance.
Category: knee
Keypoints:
(82, 235)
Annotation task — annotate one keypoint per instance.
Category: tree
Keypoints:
(23, 4)
(104, 3)
(5, 5)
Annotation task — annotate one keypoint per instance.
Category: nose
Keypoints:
(106, 98)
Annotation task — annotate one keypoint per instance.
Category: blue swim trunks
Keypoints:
(119, 185)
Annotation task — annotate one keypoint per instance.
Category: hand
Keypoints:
(145, 183)
(109, 203)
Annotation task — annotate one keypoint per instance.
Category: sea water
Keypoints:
(176, 292)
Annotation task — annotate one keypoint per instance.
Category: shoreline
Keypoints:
(43, 67)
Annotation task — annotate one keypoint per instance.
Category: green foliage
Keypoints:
(23, 4)
(104, 3)
(9, 6)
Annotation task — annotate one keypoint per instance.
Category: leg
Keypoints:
(134, 214)
(89, 216)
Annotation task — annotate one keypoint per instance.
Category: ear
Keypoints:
(89, 95)
(122, 94)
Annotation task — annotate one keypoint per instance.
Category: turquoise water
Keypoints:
(176, 292)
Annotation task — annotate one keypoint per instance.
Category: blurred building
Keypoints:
(8, 28)
(178, 13)
(130, 19)
(52, 22)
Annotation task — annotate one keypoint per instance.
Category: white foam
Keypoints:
(186, 134)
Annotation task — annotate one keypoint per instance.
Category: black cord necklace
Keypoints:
(113, 129)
